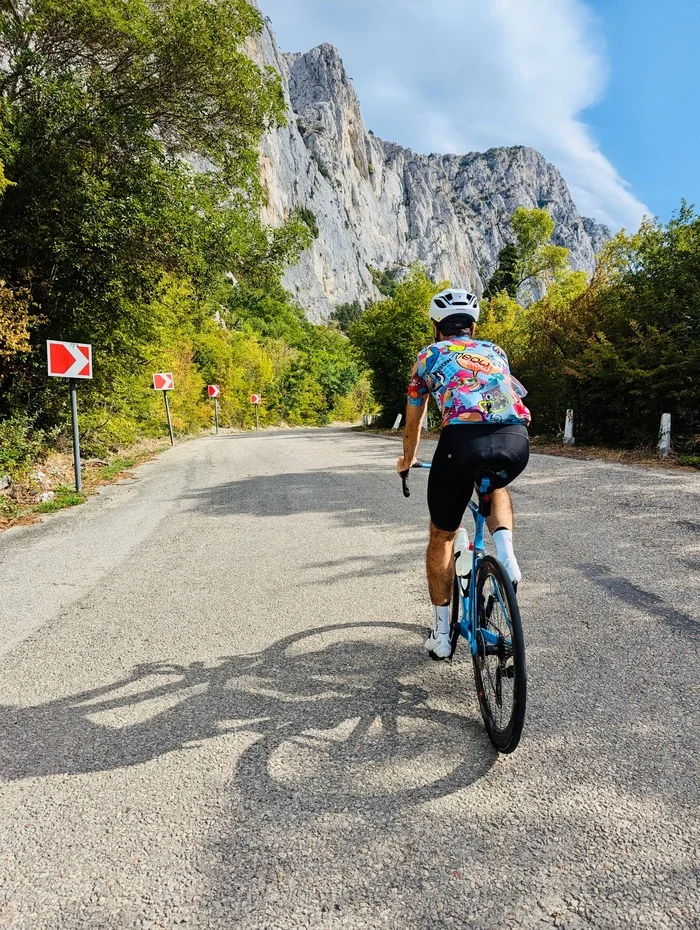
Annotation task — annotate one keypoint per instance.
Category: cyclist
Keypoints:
(484, 426)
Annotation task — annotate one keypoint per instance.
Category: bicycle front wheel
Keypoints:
(499, 663)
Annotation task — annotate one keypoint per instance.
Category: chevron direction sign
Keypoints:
(214, 390)
(69, 359)
(163, 381)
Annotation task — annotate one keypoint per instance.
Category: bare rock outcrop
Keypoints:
(379, 205)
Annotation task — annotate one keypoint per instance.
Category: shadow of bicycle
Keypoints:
(346, 716)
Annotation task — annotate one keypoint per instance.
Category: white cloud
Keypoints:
(466, 75)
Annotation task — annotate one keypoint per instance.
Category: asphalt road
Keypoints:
(215, 710)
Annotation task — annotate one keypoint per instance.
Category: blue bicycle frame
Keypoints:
(467, 613)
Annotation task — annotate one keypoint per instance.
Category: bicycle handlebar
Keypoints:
(404, 477)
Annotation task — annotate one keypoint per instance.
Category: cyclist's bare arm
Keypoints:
(411, 434)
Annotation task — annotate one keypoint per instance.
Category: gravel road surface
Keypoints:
(215, 711)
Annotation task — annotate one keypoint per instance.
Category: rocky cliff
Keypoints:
(378, 205)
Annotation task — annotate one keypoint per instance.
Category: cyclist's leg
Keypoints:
(501, 524)
(449, 490)
(439, 565)
(440, 570)
(501, 516)
(509, 452)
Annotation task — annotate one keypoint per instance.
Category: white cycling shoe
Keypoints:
(512, 570)
(439, 644)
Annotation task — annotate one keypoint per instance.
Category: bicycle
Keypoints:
(484, 610)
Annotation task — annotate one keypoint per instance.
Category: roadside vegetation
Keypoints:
(130, 205)
(44, 482)
(114, 232)
(620, 349)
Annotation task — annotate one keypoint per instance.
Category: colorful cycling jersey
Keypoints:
(471, 382)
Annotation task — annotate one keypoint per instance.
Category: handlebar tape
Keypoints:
(404, 477)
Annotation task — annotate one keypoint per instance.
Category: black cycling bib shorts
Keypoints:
(462, 453)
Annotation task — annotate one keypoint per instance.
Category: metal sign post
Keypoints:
(170, 422)
(164, 381)
(256, 399)
(71, 360)
(76, 435)
(213, 390)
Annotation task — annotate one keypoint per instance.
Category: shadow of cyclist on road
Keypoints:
(333, 718)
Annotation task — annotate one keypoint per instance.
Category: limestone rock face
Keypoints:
(379, 205)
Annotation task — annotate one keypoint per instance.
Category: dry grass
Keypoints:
(645, 457)
(20, 503)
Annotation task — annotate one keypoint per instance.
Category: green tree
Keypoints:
(308, 217)
(389, 335)
(385, 281)
(540, 262)
(640, 355)
(505, 277)
(621, 349)
(15, 322)
(103, 105)
(347, 314)
(314, 366)
(504, 321)
(532, 262)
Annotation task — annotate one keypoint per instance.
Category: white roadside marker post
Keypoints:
(569, 429)
(397, 422)
(665, 435)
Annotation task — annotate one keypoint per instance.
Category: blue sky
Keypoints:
(648, 120)
(606, 89)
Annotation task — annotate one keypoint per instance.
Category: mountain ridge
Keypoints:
(377, 204)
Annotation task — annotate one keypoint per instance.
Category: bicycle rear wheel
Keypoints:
(499, 663)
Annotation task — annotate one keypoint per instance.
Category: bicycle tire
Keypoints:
(504, 661)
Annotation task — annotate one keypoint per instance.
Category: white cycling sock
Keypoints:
(504, 544)
(442, 618)
(503, 540)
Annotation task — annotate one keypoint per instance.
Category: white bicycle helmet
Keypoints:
(452, 301)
